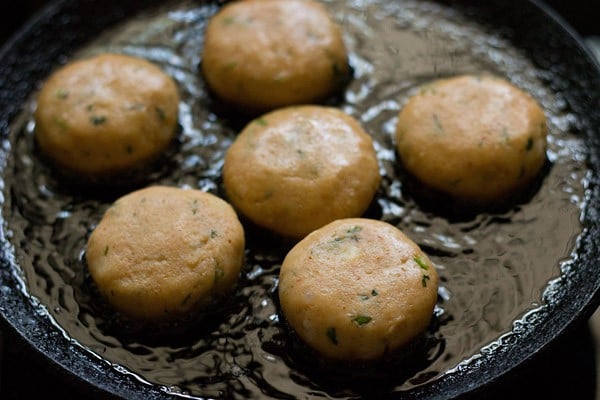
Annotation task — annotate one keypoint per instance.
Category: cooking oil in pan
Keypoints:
(495, 267)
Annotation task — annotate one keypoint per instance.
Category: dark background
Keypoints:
(567, 369)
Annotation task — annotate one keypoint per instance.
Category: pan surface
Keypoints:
(513, 279)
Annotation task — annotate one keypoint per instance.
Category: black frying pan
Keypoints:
(66, 25)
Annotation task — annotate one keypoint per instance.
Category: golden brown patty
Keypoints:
(264, 54)
(162, 252)
(357, 288)
(106, 114)
(295, 169)
(473, 137)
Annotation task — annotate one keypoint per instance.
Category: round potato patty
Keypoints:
(162, 252)
(264, 54)
(297, 168)
(474, 137)
(106, 114)
(357, 289)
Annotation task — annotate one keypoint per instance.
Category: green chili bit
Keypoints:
(332, 335)
(61, 122)
(228, 20)
(374, 292)
(97, 119)
(424, 280)
(437, 123)
(421, 263)
(62, 94)
(428, 89)
(362, 319)
(135, 107)
(261, 121)
(230, 65)
(194, 207)
(106, 250)
(213, 233)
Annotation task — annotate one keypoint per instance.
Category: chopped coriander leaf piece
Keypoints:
(97, 119)
(186, 298)
(219, 274)
(351, 233)
(337, 71)
(424, 280)
(332, 335)
(354, 229)
(366, 296)
(160, 113)
(362, 319)
(456, 182)
(529, 145)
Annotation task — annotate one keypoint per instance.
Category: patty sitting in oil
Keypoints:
(263, 54)
(106, 115)
(298, 168)
(477, 138)
(357, 289)
(161, 253)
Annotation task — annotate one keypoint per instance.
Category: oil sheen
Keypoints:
(496, 267)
